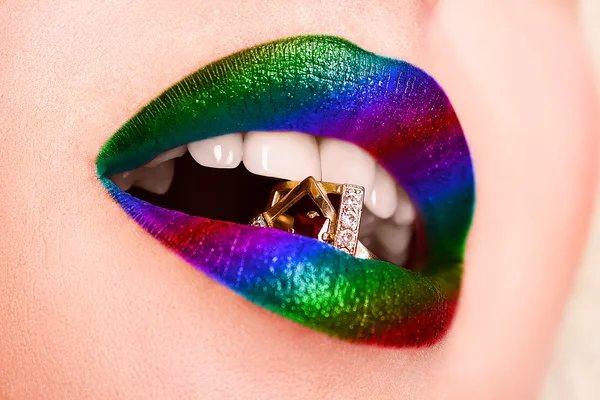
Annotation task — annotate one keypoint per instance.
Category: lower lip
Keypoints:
(393, 110)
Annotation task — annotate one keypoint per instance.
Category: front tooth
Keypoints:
(286, 155)
(167, 155)
(218, 152)
(343, 162)
(156, 179)
(382, 199)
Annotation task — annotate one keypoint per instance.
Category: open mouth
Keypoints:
(307, 106)
(240, 170)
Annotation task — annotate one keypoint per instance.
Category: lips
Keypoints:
(328, 87)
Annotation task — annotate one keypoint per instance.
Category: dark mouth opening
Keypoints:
(234, 195)
(237, 195)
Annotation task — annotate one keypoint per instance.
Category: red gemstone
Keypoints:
(308, 226)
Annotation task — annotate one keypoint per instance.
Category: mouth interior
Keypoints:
(234, 195)
(238, 195)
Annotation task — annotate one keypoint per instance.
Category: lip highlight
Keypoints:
(324, 86)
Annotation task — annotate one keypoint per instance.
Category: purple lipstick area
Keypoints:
(328, 87)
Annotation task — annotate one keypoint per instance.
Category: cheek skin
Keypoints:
(92, 307)
(537, 110)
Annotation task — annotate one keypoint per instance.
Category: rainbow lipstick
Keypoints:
(323, 86)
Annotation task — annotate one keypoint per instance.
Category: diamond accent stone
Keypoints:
(349, 219)
(352, 199)
(347, 238)
(353, 196)
(259, 220)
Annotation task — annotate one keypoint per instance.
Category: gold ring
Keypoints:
(336, 227)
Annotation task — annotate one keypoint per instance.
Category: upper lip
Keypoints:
(323, 86)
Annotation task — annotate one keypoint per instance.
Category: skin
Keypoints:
(92, 307)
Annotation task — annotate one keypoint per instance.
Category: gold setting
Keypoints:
(340, 228)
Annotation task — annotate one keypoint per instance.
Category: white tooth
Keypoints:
(124, 180)
(286, 155)
(394, 239)
(157, 179)
(175, 152)
(405, 212)
(343, 162)
(218, 152)
(382, 199)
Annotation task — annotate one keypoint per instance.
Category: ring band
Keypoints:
(336, 227)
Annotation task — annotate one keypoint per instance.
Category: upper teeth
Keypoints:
(285, 155)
